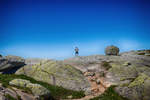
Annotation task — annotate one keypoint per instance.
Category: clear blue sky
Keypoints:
(52, 28)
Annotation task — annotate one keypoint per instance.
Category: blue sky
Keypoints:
(52, 28)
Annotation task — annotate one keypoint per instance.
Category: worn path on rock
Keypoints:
(98, 84)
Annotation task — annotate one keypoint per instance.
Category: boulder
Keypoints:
(19, 82)
(56, 73)
(127, 64)
(98, 81)
(132, 81)
(10, 64)
(112, 50)
(36, 89)
(136, 90)
(88, 91)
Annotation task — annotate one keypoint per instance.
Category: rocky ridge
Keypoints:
(129, 72)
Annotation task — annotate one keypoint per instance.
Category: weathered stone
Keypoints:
(98, 81)
(70, 97)
(112, 50)
(146, 94)
(88, 91)
(101, 74)
(36, 89)
(2, 98)
(56, 73)
(10, 64)
(89, 74)
(126, 64)
(19, 82)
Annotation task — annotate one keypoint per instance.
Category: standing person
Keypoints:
(76, 51)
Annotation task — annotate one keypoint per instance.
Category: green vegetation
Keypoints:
(9, 97)
(139, 80)
(109, 94)
(56, 91)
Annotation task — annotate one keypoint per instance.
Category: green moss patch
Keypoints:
(9, 97)
(139, 80)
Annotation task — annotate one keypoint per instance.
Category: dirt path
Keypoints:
(98, 84)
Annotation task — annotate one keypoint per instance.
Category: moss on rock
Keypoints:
(123, 72)
(36, 89)
(139, 80)
(56, 73)
(19, 82)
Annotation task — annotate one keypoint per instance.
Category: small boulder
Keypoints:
(88, 91)
(36, 89)
(70, 97)
(93, 79)
(98, 81)
(19, 82)
(126, 64)
(89, 74)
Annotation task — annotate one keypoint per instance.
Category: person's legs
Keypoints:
(76, 53)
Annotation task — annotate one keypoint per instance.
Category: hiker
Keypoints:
(76, 51)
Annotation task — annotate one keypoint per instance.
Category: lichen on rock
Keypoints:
(56, 73)
(19, 82)
(36, 89)
(139, 80)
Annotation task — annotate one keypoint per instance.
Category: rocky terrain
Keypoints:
(81, 77)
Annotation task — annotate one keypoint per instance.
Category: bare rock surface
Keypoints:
(9, 64)
(129, 71)
(56, 73)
